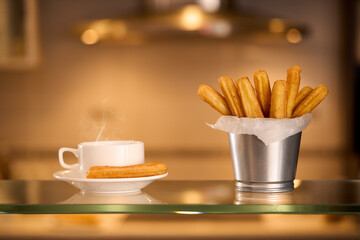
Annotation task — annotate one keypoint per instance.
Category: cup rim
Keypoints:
(111, 143)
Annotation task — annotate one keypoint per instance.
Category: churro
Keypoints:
(249, 101)
(293, 83)
(311, 101)
(133, 171)
(278, 100)
(302, 94)
(214, 98)
(231, 95)
(263, 90)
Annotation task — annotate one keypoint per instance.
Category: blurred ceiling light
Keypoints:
(101, 26)
(108, 29)
(294, 36)
(89, 37)
(118, 29)
(191, 18)
(209, 5)
(276, 25)
(221, 29)
(178, 20)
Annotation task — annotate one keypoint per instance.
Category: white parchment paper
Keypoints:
(268, 130)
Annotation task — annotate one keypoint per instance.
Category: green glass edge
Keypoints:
(178, 209)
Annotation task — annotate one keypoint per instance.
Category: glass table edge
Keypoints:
(178, 209)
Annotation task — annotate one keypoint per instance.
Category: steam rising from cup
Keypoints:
(104, 119)
(101, 123)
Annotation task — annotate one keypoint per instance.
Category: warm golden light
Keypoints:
(192, 197)
(109, 29)
(297, 183)
(210, 5)
(89, 37)
(221, 29)
(276, 25)
(191, 18)
(294, 36)
(119, 30)
(102, 27)
(188, 212)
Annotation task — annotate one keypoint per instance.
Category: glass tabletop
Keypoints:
(181, 197)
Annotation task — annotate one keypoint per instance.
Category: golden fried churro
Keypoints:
(293, 82)
(140, 170)
(278, 100)
(311, 101)
(302, 94)
(249, 101)
(263, 90)
(231, 95)
(214, 98)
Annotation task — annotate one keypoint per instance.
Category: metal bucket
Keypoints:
(264, 168)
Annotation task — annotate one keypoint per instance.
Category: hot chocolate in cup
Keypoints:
(104, 153)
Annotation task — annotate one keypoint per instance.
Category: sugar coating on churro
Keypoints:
(214, 99)
(263, 90)
(278, 100)
(293, 84)
(231, 95)
(249, 101)
(311, 101)
(302, 94)
(133, 171)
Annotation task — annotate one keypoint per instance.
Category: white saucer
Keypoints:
(108, 185)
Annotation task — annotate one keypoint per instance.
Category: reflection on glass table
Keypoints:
(189, 197)
(99, 198)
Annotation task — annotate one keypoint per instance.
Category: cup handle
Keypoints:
(61, 159)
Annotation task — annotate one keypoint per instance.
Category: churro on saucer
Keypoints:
(133, 171)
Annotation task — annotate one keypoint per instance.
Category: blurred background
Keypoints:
(87, 70)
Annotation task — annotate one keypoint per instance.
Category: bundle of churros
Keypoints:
(283, 100)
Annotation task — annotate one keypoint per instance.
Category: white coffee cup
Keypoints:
(104, 153)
